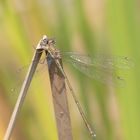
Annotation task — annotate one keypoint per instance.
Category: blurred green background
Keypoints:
(84, 26)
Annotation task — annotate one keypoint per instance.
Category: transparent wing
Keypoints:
(101, 60)
(100, 67)
(102, 75)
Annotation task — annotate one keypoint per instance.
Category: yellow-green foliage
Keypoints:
(85, 26)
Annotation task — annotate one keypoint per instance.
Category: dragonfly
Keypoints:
(99, 67)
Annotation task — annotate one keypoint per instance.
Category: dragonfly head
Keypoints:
(44, 41)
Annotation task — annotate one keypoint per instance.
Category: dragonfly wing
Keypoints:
(114, 62)
(97, 69)
(101, 60)
(103, 76)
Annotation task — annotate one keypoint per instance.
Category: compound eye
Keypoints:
(44, 42)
